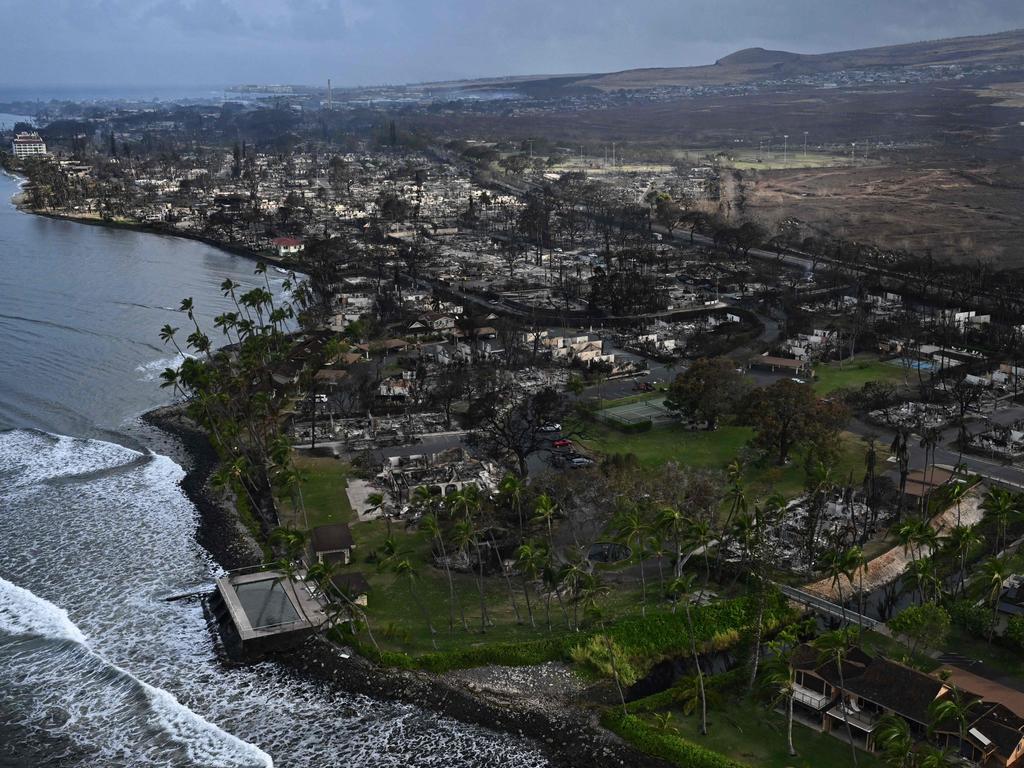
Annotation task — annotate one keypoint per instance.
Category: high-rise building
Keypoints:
(28, 145)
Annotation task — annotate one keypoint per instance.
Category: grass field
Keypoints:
(855, 373)
(323, 491)
(714, 450)
(750, 734)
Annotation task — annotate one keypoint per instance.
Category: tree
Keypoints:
(961, 540)
(404, 568)
(923, 625)
(893, 737)
(998, 504)
(994, 571)
(834, 648)
(787, 414)
(530, 561)
(683, 588)
(781, 675)
(956, 708)
(633, 528)
(506, 425)
(709, 388)
(431, 524)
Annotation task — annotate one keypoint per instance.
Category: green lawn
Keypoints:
(714, 450)
(398, 620)
(323, 492)
(855, 373)
(755, 736)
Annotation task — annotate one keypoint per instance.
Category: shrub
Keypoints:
(976, 619)
(603, 655)
(668, 746)
(1014, 636)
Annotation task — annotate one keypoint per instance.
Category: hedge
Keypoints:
(722, 682)
(667, 746)
(647, 639)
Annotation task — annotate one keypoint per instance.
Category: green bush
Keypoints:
(976, 619)
(1014, 636)
(667, 746)
(725, 682)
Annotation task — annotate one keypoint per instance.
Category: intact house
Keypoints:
(867, 688)
(287, 246)
(431, 323)
(332, 543)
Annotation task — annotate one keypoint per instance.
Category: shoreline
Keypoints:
(498, 698)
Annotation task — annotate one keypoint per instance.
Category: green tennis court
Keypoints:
(653, 410)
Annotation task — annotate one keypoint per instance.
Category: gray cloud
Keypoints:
(375, 41)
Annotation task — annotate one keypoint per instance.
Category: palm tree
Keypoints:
(782, 676)
(673, 522)
(544, 511)
(698, 535)
(961, 540)
(530, 559)
(632, 528)
(921, 577)
(434, 528)
(957, 492)
(512, 490)
(574, 573)
(956, 707)
(404, 568)
(834, 647)
(840, 564)
(682, 587)
(998, 504)
(893, 737)
(994, 571)
(465, 535)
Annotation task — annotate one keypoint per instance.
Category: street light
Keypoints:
(805, 145)
(785, 148)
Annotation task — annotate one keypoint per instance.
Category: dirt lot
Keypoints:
(964, 215)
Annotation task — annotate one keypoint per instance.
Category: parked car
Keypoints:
(798, 381)
(550, 427)
(644, 386)
(580, 461)
(562, 442)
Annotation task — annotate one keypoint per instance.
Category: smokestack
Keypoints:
(329, 104)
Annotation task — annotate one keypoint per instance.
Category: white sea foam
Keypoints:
(22, 613)
(151, 371)
(108, 696)
(29, 457)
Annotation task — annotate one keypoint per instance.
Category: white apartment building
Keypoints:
(28, 145)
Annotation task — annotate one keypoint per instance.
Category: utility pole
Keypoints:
(805, 145)
(785, 148)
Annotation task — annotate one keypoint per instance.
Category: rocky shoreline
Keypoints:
(542, 703)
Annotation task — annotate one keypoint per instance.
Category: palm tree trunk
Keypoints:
(789, 724)
(700, 674)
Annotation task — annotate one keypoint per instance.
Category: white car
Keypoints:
(798, 381)
(555, 427)
(580, 461)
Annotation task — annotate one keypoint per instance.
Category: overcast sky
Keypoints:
(362, 42)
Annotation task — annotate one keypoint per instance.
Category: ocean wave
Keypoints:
(106, 709)
(31, 457)
(151, 371)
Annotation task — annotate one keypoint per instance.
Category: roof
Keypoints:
(331, 538)
(899, 688)
(352, 584)
(779, 362)
(286, 241)
(329, 375)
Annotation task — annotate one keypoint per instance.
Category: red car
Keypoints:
(562, 443)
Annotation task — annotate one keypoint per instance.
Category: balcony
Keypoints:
(860, 719)
(810, 698)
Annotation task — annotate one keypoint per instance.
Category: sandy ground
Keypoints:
(891, 564)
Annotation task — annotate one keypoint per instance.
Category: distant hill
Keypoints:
(758, 64)
(753, 64)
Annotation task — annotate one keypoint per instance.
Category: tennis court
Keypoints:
(652, 410)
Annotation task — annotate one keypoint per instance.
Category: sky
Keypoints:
(370, 42)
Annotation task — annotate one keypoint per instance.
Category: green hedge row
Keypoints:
(723, 682)
(648, 639)
(667, 746)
